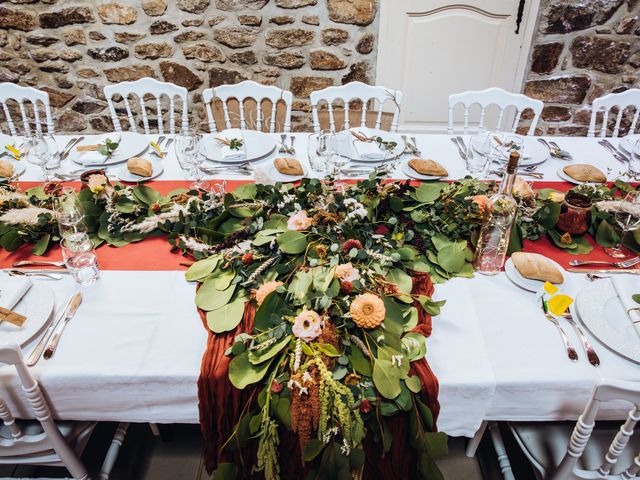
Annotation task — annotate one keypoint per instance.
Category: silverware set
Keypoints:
(411, 147)
(290, 150)
(42, 273)
(244, 168)
(49, 341)
(555, 150)
(628, 263)
(618, 154)
(462, 148)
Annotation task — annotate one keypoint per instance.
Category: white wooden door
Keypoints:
(432, 48)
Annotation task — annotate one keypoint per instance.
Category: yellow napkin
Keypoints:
(558, 303)
(155, 146)
(13, 151)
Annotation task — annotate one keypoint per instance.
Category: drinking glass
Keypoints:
(513, 143)
(338, 148)
(319, 150)
(477, 161)
(634, 162)
(42, 150)
(628, 219)
(69, 213)
(188, 150)
(80, 258)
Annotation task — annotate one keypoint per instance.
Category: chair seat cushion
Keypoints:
(546, 444)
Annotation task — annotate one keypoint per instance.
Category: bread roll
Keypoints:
(583, 172)
(289, 166)
(428, 167)
(140, 166)
(6, 169)
(536, 267)
(87, 148)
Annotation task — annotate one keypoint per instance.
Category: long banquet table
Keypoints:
(133, 351)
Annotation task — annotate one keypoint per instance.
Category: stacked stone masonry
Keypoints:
(582, 50)
(72, 49)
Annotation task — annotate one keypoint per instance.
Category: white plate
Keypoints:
(37, 306)
(6, 140)
(18, 167)
(131, 145)
(125, 175)
(600, 310)
(386, 137)
(411, 173)
(529, 284)
(567, 178)
(627, 143)
(273, 172)
(257, 145)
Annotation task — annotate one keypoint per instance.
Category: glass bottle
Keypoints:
(499, 216)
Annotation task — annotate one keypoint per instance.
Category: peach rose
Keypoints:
(347, 272)
(367, 310)
(265, 289)
(97, 183)
(307, 325)
(481, 201)
(299, 221)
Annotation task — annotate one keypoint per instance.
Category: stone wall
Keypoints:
(72, 49)
(582, 50)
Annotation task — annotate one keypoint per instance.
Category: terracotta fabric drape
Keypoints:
(221, 404)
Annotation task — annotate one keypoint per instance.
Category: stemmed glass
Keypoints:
(634, 162)
(69, 213)
(190, 157)
(319, 151)
(338, 158)
(42, 150)
(628, 219)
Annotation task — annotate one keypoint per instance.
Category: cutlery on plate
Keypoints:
(592, 356)
(51, 274)
(39, 348)
(629, 262)
(415, 146)
(70, 146)
(571, 352)
(560, 153)
(283, 145)
(461, 152)
(596, 271)
(522, 173)
(25, 263)
(614, 152)
(71, 311)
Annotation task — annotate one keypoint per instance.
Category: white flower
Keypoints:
(304, 390)
(24, 216)
(307, 378)
(396, 360)
(347, 272)
(345, 448)
(299, 221)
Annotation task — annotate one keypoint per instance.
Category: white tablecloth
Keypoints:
(133, 351)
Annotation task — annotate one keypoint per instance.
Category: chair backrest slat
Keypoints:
(140, 88)
(494, 96)
(356, 91)
(605, 391)
(19, 94)
(622, 101)
(242, 91)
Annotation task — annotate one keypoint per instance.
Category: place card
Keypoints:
(10, 316)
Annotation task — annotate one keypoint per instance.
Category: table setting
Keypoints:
(217, 208)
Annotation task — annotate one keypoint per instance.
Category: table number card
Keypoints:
(10, 316)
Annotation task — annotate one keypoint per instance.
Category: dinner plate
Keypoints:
(18, 167)
(257, 146)
(529, 284)
(132, 144)
(600, 310)
(6, 140)
(125, 175)
(567, 178)
(352, 154)
(627, 143)
(273, 172)
(37, 306)
(411, 173)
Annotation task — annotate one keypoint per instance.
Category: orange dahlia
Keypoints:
(367, 310)
(265, 289)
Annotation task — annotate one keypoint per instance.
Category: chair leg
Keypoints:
(154, 429)
(474, 443)
(503, 459)
(114, 449)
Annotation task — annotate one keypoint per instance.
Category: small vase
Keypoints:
(575, 214)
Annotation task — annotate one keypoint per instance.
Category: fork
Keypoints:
(24, 263)
(629, 262)
(617, 154)
(416, 150)
(461, 152)
(592, 356)
(563, 154)
(292, 149)
(283, 146)
(571, 352)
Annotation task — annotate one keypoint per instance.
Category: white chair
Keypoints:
(562, 451)
(11, 91)
(500, 98)
(248, 90)
(46, 442)
(141, 88)
(628, 98)
(356, 91)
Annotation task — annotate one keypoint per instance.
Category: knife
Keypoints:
(25, 263)
(70, 145)
(631, 271)
(71, 311)
(37, 351)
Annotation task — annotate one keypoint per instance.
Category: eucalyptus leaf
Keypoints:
(41, 245)
(312, 449)
(210, 298)
(401, 279)
(359, 362)
(256, 357)
(228, 317)
(292, 242)
(146, 195)
(413, 383)
(386, 378)
(243, 373)
(202, 269)
(226, 471)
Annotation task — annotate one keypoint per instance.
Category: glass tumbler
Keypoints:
(80, 258)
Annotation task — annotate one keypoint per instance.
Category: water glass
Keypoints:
(42, 150)
(318, 150)
(80, 258)
(339, 144)
(477, 160)
(188, 147)
(69, 213)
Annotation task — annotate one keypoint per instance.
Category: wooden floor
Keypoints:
(177, 457)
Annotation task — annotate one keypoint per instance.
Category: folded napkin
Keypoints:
(368, 150)
(626, 288)
(94, 157)
(227, 152)
(12, 289)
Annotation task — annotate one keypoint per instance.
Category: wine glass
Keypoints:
(634, 162)
(338, 148)
(187, 147)
(627, 217)
(318, 149)
(69, 213)
(196, 158)
(42, 150)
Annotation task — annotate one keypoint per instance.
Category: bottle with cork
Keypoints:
(499, 217)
